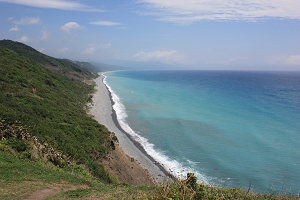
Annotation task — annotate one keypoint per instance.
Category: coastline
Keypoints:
(103, 112)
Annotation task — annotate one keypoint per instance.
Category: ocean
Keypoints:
(231, 128)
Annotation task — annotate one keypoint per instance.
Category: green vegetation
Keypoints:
(188, 189)
(88, 66)
(20, 177)
(26, 176)
(48, 141)
(52, 106)
(61, 66)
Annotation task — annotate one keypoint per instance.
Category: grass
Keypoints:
(52, 106)
(183, 190)
(174, 191)
(116, 192)
(20, 177)
(62, 66)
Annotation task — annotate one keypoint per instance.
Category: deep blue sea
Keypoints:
(232, 128)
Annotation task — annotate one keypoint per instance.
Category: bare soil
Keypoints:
(126, 169)
(42, 194)
(52, 190)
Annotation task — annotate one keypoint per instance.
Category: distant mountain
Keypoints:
(107, 67)
(140, 65)
(61, 66)
(88, 66)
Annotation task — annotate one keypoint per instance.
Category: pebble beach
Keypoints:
(101, 110)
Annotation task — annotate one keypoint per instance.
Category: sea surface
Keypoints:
(231, 128)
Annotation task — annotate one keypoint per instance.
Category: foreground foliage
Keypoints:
(188, 189)
(19, 178)
(53, 106)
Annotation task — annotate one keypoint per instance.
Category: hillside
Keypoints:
(53, 106)
(88, 66)
(61, 66)
(106, 67)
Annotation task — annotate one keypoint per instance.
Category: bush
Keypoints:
(17, 145)
(97, 170)
(52, 105)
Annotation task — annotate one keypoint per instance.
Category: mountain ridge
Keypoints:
(64, 67)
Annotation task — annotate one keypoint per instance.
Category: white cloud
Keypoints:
(293, 60)
(44, 36)
(89, 51)
(24, 39)
(63, 50)
(160, 56)
(56, 4)
(104, 46)
(284, 60)
(28, 21)
(9, 19)
(92, 48)
(105, 23)
(68, 27)
(14, 29)
(224, 62)
(190, 11)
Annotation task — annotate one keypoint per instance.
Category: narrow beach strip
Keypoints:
(103, 112)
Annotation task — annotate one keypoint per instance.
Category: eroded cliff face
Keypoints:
(126, 169)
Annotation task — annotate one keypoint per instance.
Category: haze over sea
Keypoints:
(232, 128)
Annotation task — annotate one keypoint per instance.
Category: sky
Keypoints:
(181, 34)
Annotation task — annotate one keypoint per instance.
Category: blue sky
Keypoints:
(189, 34)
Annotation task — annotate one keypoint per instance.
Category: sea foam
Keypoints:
(231, 128)
(175, 168)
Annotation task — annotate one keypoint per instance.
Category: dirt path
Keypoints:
(53, 190)
(43, 194)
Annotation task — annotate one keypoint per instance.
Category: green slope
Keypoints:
(53, 106)
(61, 66)
(88, 66)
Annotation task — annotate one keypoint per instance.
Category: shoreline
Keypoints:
(103, 112)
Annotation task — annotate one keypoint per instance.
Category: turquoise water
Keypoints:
(232, 128)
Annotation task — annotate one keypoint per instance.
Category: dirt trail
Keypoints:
(53, 190)
(43, 194)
